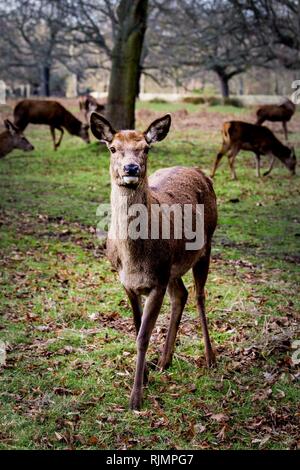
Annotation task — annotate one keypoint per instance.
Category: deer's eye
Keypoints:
(112, 149)
(146, 150)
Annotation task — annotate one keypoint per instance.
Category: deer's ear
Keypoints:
(10, 127)
(101, 128)
(158, 130)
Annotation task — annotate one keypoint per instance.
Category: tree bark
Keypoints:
(45, 81)
(224, 84)
(126, 55)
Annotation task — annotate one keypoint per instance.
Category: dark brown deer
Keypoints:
(238, 135)
(52, 114)
(88, 104)
(12, 139)
(151, 265)
(276, 113)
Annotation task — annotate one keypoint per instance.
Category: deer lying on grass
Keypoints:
(89, 104)
(150, 265)
(52, 114)
(12, 139)
(276, 113)
(238, 135)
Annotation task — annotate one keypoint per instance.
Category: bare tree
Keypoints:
(36, 35)
(276, 23)
(210, 35)
(126, 56)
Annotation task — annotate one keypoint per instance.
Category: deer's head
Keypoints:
(291, 161)
(129, 149)
(84, 133)
(18, 139)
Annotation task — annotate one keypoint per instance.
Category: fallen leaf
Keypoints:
(219, 417)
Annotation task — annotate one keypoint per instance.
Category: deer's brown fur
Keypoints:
(12, 138)
(52, 114)
(88, 104)
(149, 266)
(276, 113)
(239, 135)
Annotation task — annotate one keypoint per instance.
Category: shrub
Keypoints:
(158, 101)
(214, 101)
(194, 99)
(233, 102)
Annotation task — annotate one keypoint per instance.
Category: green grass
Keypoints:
(190, 107)
(68, 328)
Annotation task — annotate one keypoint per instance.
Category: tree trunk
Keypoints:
(224, 84)
(45, 81)
(126, 55)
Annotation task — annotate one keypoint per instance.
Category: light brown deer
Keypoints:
(88, 104)
(12, 139)
(52, 114)
(150, 266)
(238, 135)
(276, 113)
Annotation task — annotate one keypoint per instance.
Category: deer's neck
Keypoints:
(123, 201)
(281, 151)
(6, 143)
(71, 123)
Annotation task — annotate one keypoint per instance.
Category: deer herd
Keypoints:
(147, 265)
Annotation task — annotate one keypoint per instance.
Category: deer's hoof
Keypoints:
(135, 401)
(211, 360)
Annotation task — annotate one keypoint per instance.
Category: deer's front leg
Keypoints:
(271, 166)
(61, 136)
(137, 311)
(150, 314)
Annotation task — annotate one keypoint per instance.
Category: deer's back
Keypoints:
(249, 136)
(39, 112)
(181, 185)
(274, 113)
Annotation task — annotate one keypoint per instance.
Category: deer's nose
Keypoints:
(131, 170)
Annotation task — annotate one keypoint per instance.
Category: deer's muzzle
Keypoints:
(131, 173)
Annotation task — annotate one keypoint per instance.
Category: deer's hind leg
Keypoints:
(137, 309)
(200, 272)
(231, 160)
(285, 130)
(257, 156)
(178, 297)
(52, 130)
(220, 155)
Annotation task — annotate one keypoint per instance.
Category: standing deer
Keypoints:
(153, 265)
(88, 104)
(12, 139)
(52, 114)
(276, 113)
(238, 135)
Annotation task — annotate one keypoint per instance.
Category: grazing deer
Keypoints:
(238, 135)
(52, 114)
(12, 139)
(88, 104)
(276, 113)
(150, 265)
